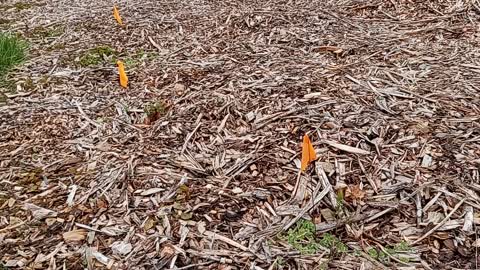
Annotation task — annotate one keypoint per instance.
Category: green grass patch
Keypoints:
(12, 53)
(96, 56)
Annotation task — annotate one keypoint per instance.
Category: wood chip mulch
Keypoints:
(196, 164)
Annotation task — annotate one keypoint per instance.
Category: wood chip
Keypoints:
(151, 191)
(74, 235)
(347, 148)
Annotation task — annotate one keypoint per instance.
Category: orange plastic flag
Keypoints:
(308, 153)
(116, 15)
(122, 74)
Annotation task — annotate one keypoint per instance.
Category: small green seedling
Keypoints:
(138, 58)
(154, 108)
(154, 111)
(372, 252)
(394, 251)
(378, 254)
(279, 263)
(96, 55)
(402, 246)
(340, 208)
(302, 237)
(331, 242)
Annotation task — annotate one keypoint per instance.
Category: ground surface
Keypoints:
(196, 164)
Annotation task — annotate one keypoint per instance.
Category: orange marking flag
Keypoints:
(122, 74)
(308, 153)
(116, 15)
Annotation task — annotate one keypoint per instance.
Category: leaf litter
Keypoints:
(387, 91)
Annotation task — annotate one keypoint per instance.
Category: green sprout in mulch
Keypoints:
(96, 56)
(154, 110)
(331, 242)
(303, 238)
(279, 262)
(340, 208)
(137, 58)
(105, 54)
(12, 52)
(394, 251)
